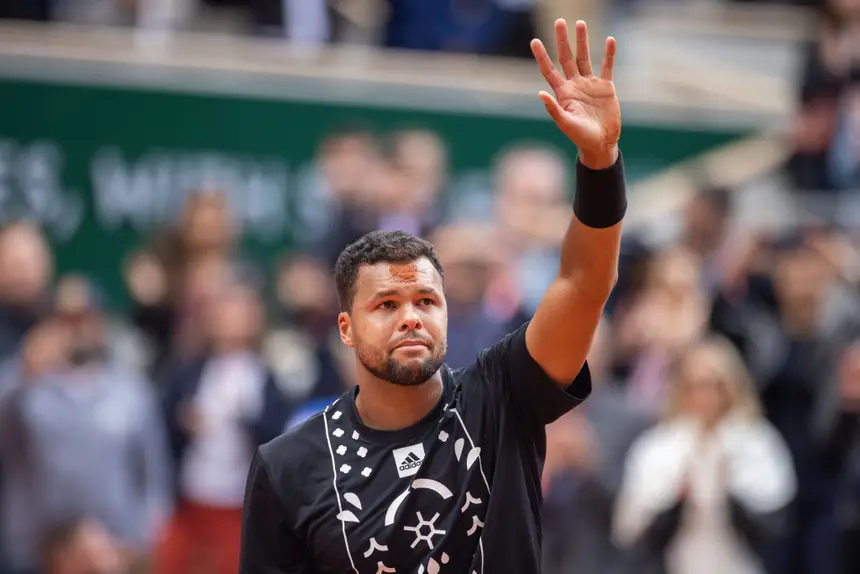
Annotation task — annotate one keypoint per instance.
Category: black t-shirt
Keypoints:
(457, 493)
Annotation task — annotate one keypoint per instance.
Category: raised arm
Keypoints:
(585, 108)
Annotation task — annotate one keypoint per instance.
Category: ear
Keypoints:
(344, 327)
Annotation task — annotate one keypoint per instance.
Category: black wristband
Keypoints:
(600, 200)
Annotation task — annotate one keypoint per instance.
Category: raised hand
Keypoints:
(585, 106)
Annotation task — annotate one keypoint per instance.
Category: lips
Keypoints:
(411, 343)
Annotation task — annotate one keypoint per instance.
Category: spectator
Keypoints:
(530, 208)
(824, 135)
(301, 345)
(79, 434)
(470, 257)
(168, 282)
(846, 446)
(668, 316)
(795, 323)
(706, 489)
(705, 229)
(26, 267)
(219, 409)
(412, 179)
(338, 204)
(582, 477)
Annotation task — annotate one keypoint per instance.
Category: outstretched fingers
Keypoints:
(583, 58)
(547, 68)
(565, 51)
(573, 63)
(606, 69)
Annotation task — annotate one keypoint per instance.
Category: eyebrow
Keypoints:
(394, 292)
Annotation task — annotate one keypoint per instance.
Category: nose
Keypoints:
(410, 321)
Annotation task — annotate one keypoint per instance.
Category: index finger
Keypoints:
(547, 68)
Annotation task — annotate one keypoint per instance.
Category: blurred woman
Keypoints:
(708, 488)
(168, 282)
(219, 410)
(659, 326)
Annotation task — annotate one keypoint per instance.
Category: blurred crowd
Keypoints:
(489, 27)
(722, 435)
(827, 129)
(494, 27)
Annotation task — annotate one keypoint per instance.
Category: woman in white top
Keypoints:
(708, 487)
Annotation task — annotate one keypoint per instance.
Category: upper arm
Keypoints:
(526, 385)
(269, 545)
(562, 330)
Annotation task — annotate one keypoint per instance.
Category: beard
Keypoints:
(415, 373)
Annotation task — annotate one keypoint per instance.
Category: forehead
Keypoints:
(406, 276)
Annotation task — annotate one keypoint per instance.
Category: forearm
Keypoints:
(589, 260)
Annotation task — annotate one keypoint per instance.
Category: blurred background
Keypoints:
(178, 176)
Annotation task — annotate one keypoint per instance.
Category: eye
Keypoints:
(387, 305)
(426, 301)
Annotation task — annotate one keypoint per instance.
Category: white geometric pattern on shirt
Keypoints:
(343, 516)
(424, 530)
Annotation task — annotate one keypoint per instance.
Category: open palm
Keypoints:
(585, 106)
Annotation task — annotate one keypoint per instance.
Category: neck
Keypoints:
(384, 406)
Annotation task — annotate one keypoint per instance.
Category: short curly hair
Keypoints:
(378, 247)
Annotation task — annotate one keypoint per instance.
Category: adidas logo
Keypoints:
(408, 459)
(411, 461)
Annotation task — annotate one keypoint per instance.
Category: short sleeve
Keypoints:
(509, 364)
(268, 544)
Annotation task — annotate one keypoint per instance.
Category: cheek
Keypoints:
(379, 323)
(375, 329)
(436, 321)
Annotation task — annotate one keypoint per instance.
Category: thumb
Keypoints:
(552, 106)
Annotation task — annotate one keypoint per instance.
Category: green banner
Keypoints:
(102, 167)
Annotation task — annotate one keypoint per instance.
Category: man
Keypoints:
(425, 469)
(79, 433)
(26, 269)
